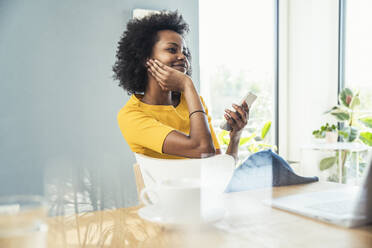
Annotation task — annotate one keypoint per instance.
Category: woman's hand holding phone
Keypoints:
(237, 120)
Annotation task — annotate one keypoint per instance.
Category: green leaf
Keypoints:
(264, 146)
(253, 148)
(265, 129)
(367, 121)
(349, 134)
(319, 134)
(366, 137)
(344, 95)
(327, 163)
(332, 109)
(245, 140)
(353, 134)
(355, 102)
(329, 128)
(342, 116)
(343, 134)
(222, 138)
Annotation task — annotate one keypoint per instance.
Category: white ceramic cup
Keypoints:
(178, 199)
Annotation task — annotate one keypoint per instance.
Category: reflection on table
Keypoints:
(248, 222)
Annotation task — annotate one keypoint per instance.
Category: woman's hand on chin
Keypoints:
(237, 120)
(168, 78)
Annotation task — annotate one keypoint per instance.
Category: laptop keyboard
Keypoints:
(335, 207)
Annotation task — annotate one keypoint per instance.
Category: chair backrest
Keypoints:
(214, 171)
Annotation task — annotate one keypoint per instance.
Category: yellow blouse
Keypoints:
(146, 126)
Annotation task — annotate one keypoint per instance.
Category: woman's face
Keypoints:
(170, 50)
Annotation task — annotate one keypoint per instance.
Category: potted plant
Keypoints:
(328, 132)
(352, 127)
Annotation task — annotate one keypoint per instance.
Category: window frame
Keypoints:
(341, 45)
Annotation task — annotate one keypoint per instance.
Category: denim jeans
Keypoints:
(264, 169)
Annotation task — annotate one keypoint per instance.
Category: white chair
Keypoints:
(213, 172)
(139, 179)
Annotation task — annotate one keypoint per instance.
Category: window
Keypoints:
(237, 55)
(354, 70)
(358, 51)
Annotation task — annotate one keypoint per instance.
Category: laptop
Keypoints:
(349, 207)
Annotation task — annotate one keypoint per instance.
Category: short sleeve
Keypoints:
(143, 130)
(214, 137)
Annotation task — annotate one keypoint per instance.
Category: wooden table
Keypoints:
(248, 223)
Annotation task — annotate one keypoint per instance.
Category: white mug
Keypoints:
(175, 198)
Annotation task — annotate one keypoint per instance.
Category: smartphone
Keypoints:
(249, 99)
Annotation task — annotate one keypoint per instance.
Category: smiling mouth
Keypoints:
(180, 67)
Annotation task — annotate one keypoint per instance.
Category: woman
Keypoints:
(165, 117)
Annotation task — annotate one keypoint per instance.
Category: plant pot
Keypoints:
(331, 137)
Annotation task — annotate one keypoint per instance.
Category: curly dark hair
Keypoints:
(136, 44)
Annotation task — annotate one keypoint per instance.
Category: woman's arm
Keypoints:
(199, 142)
(237, 123)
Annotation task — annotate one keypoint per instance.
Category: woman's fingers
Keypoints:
(158, 79)
(155, 72)
(236, 119)
(163, 85)
(229, 120)
(160, 66)
(245, 107)
(172, 78)
(242, 113)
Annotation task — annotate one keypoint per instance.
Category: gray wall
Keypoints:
(58, 102)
